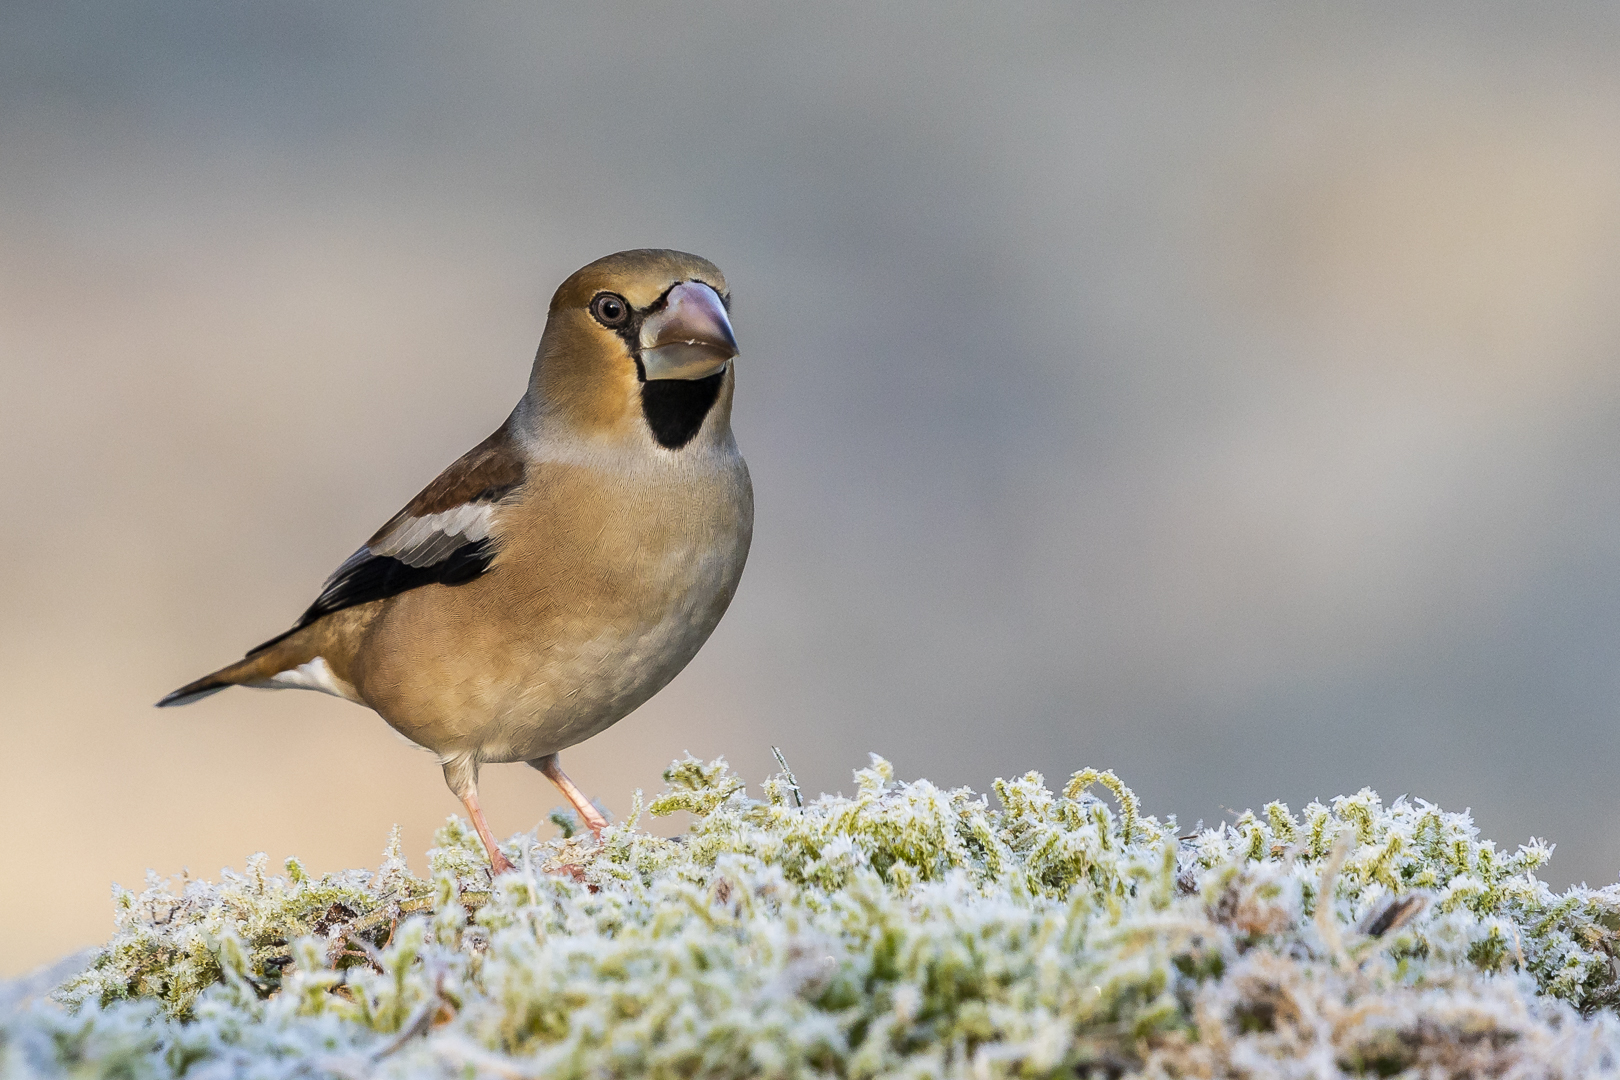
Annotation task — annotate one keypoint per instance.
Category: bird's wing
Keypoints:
(441, 537)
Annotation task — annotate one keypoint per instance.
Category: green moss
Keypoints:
(907, 929)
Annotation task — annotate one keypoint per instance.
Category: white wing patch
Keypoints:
(423, 541)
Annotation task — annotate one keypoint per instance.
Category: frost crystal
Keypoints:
(906, 931)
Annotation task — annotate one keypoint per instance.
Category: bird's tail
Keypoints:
(255, 669)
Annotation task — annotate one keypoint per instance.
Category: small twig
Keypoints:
(793, 783)
(354, 945)
(419, 1022)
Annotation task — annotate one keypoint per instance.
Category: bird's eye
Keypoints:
(610, 309)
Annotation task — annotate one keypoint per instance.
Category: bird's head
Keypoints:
(638, 344)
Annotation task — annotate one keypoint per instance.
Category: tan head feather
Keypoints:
(586, 371)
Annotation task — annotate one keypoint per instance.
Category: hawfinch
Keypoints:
(567, 567)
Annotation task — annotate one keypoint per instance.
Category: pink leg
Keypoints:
(589, 814)
(498, 863)
(461, 773)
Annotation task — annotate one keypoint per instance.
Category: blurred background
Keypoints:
(1223, 394)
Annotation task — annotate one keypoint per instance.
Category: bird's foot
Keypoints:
(498, 863)
(588, 813)
(572, 871)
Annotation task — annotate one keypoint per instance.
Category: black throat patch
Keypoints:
(675, 408)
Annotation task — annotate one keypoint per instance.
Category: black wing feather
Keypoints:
(366, 577)
(440, 538)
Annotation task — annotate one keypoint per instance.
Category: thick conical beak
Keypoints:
(690, 338)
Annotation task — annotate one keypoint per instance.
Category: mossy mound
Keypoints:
(906, 931)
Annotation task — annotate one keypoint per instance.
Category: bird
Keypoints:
(565, 569)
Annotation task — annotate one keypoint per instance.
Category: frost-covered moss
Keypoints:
(907, 930)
